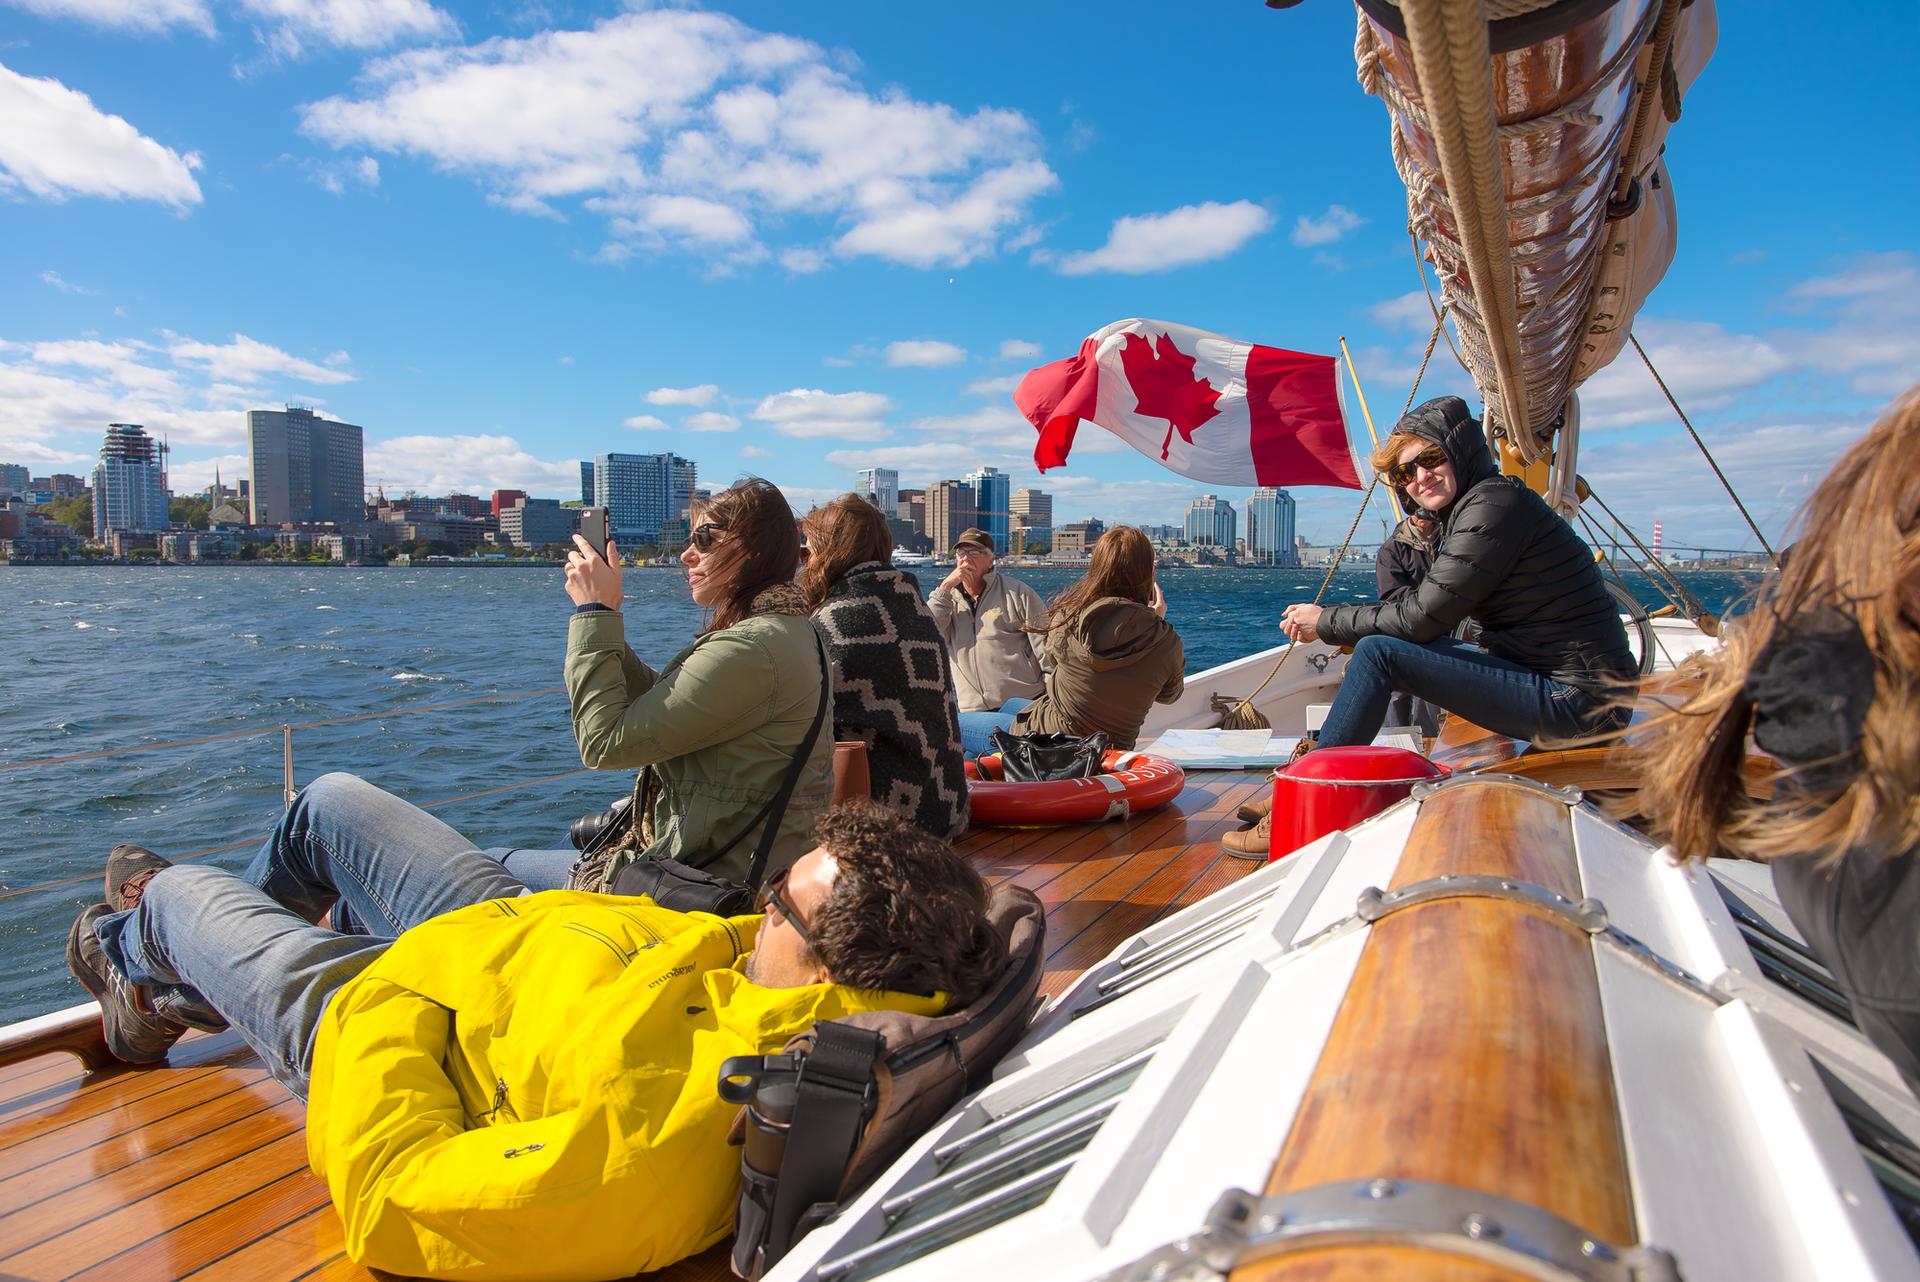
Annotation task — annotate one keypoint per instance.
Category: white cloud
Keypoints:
(245, 360)
(188, 475)
(54, 279)
(802, 261)
(701, 395)
(335, 176)
(54, 143)
(1018, 349)
(1888, 273)
(755, 451)
(291, 27)
(1409, 311)
(1327, 228)
(924, 353)
(471, 464)
(126, 15)
(648, 423)
(1706, 366)
(988, 418)
(809, 413)
(1179, 238)
(709, 421)
(994, 386)
(691, 130)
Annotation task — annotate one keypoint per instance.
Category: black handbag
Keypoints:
(1032, 758)
(687, 889)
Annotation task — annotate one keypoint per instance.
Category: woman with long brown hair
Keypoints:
(715, 730)
(1824, 673)
(1113, 654)
(892, 678)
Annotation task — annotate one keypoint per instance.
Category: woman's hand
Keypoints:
(1301, 622)
(1159, 602)
(591, 580)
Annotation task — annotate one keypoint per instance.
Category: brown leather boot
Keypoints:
(1249, 843)
(1257, 809)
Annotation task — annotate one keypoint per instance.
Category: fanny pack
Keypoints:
(1032, 758)
(680, 886)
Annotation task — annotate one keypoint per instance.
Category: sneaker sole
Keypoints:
(95, 986)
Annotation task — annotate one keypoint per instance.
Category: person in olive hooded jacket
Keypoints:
(1114, 655)
(1552, 652)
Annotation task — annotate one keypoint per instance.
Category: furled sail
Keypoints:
(1529, 135)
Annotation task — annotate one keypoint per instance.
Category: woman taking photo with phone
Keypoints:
(715, 731)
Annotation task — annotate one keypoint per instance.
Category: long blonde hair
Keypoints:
(1859, 552)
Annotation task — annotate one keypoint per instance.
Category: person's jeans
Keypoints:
(243, 948)
(1497, 694)
(976, 728)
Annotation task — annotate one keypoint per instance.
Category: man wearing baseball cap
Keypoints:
(984, 616)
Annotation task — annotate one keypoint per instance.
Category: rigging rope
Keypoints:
(1243, 715)
(1725, 483)
(1709, 622)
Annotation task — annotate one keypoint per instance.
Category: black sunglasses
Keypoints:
(1403, 473)
(706, 535)
(777, 901)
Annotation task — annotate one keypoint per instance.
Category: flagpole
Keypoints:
(1367, 414)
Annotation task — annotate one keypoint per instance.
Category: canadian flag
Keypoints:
(1205, 406)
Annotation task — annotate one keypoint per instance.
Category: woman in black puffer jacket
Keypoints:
(1552, 653)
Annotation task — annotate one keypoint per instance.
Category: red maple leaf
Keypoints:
(1164, 387)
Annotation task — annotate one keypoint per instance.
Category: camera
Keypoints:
(587, 830)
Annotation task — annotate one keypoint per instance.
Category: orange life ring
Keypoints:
(1131, 783)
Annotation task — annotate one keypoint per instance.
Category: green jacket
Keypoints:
(719, 725)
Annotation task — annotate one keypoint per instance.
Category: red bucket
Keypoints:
(1333, 788)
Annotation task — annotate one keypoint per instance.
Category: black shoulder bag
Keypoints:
(684, 888)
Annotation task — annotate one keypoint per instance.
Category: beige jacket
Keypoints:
(1111, 663)
(994, 658)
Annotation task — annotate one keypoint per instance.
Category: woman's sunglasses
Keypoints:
(776, 899)
(706, 535)
(1403, 473)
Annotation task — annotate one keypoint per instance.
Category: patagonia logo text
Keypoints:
(675, 973)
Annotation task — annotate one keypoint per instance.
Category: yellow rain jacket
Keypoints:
(525, 1088)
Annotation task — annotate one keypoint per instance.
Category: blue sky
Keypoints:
(801, 239)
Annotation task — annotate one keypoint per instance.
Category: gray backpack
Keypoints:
(846, 1097)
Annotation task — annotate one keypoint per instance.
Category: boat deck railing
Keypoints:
(288, 789)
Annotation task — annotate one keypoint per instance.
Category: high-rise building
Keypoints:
(1031, 508)
(1074, 541)
(14, 479)
(880, 486)
(129, 483)
(586, 484)
(533, 523)
(504, 499)
(1212, 523)
(641, 492)
(990, 504)
(463, 505)
(911, 507)
(304, 468)
(1270, 528)
(950, 510)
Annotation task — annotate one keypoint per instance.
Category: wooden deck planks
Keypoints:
(198, 1169)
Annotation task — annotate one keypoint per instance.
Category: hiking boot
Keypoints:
(129, 869)
(1250, 842)
(134, 1033)
(1307, 744)
(1257, 809)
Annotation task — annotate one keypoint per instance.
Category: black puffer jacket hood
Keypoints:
(1506, 560)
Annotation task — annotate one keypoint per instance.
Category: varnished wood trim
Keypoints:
(75, 1031)
(1470, 1048)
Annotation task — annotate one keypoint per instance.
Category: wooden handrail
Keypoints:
(74, 1031)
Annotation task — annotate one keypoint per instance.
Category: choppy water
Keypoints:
(98, 658)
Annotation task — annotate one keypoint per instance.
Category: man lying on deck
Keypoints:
(518, 1085)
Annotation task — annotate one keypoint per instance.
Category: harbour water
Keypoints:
(102, 658)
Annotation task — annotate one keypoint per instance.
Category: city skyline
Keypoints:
(799, 243)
